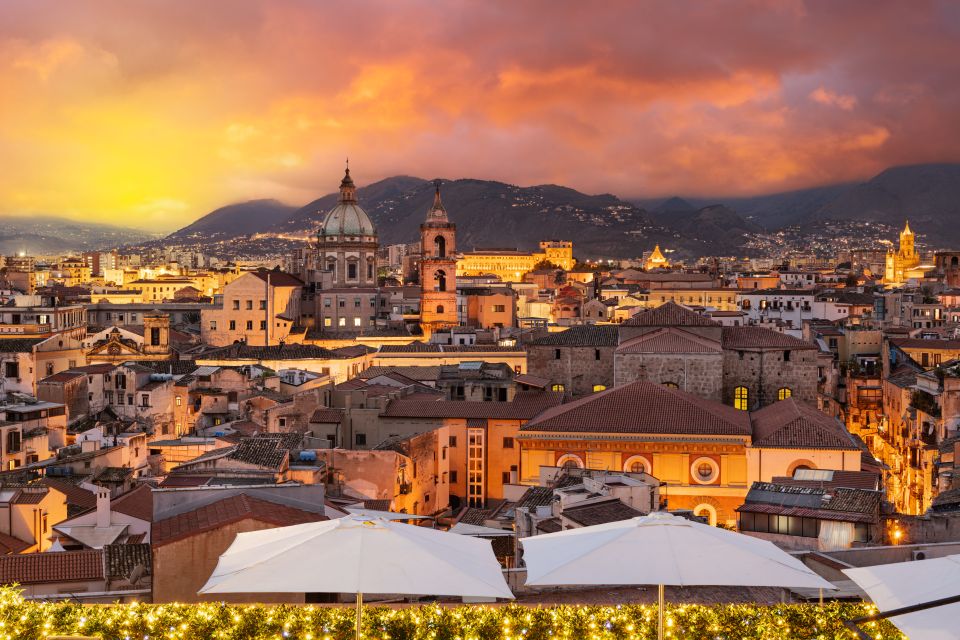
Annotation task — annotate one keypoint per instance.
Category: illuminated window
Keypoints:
(671, 385)
(557, 387)
(783, 393)
(570, 461)
(599, 387)
(741, 397)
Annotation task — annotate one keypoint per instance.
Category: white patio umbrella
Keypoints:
(661, 549)
(906, 584)
(359, 555)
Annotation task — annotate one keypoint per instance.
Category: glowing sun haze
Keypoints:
(151, 113)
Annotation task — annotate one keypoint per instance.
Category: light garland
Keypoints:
(28, 619)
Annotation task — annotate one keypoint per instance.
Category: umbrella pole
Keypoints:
(660, 612)
(359, 615)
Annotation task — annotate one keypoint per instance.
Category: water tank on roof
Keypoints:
(160, 377)
(308, 456)
(218, 434)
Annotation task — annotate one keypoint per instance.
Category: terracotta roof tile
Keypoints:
(122, 559)
(669, 340)
(612, 510)
(66, 566)
(670, 314)
(761, 338)
(587, 335)
(228, 510)
(846, 479)
(524, 406)
(278, 278)
(137, 503)
(12, 545)
(789, 424)
(76, 496)
(327, 416)
(642, 407)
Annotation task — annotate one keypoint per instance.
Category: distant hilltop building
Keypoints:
(655, 260)
(903, 264)
(510, 264)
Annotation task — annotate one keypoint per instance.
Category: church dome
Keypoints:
(347, 218)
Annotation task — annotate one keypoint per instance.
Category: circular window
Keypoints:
(704, 471)
(637, 464)
(570, 461)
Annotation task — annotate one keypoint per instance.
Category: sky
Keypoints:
(151, 113)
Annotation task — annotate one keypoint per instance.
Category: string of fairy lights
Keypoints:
(21, 619)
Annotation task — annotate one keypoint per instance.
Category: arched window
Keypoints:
(670, 385)
(707, 511)
(741, 398)
(570, 461)
(557, 387)
(440, 245)
(439, 308)
(441, 277)
(783, 393)
(637, 464)
(599, 387)
(954, 261)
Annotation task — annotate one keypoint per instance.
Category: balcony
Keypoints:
(32, 329)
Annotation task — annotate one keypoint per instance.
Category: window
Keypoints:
(130, 399)
(144, 400)
(499, 308)
(281, 422)
(596, 354)
(249, 325)
(213, 325)
(453, 476)
(670, 385)
(249, 305)
(570, 461)
(233, 325)
(352, 271)
(13, 441)
(356, 322)
(741, 398)
(599, 387)
(783, 393)
(783, 525)
(341, 322)
(556, 354)
(263, 305)
(263, 325)
(557, 387)
(704, 470)
(439, 308)
(786, 356)
(508, 443)
(453, 441)
(154, 336)
(12, 369)
(360, 439)
(236, 305)
(637, 464)
(179, 400)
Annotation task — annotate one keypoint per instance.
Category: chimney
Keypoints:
(103, 507)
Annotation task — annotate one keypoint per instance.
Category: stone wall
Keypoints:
(578, 369)
(700, 374)
(765, 372)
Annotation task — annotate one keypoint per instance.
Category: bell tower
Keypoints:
(438, 269)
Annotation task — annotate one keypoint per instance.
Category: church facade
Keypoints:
(438, 269)
(901, 265)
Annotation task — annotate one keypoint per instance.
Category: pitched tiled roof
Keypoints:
(789, 424)
(761, 338)
(535, 497)
(475, 516)
(926, 343)
(63, 376)
(531, 380)
(76, 496)
(137, 503)
(668, 340)
(419, 374)
(95, 368)
(904, 376)
(19, 345)
(840, 504)
(670, 314)
(428, 347)
(586, 335)
(65, 566)
(240, 351)
(525, 405)
(643, 407)
(278, 278)
(327, 415)
(948, 500)
(847, 479)
(122, 559)
(611, 510)
(175, 480)
(12, 545)
(226, 511)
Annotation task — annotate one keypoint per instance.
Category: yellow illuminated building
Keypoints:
(905, 262)
(510, 265)
(655, 260)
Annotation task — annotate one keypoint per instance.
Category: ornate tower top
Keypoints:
(348, 192)
(906, 229)
(437, 213)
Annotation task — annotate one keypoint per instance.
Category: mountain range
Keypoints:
(50, 235)
(495, 214)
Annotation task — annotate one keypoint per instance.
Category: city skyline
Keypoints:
(154, 117)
